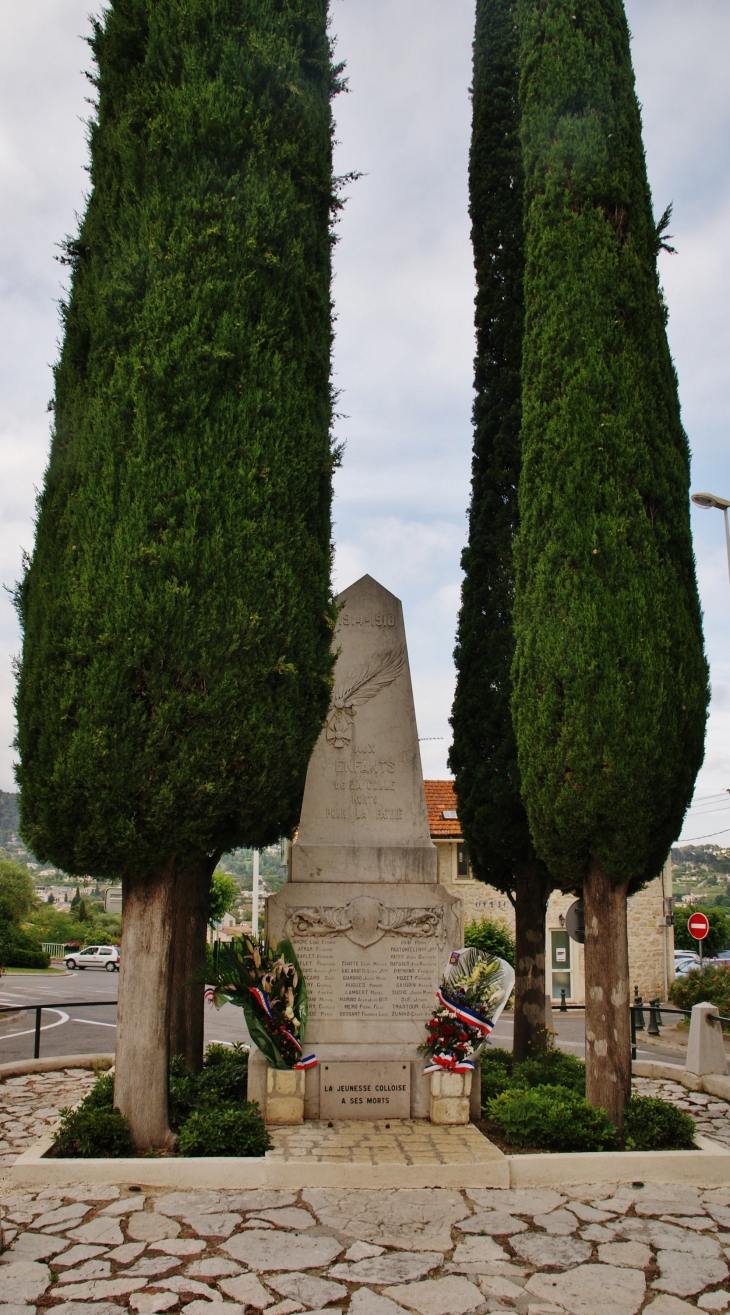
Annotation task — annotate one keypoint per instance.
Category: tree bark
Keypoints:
(532, 887)
(189, 926)
(608, 1028)
(141, 1078)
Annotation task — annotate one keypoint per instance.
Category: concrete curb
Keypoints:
(709, 1166)
(54, 1063)
(715, 1084)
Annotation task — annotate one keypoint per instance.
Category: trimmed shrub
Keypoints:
(20, 958)
(91, 1133)
(224, 1131)
(699, 984)
(497, 1069)
(554, 1069)
(552, 1119)
(224, 1079)
(492, 937)
(651, 1124)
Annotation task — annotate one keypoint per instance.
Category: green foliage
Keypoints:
(273, 969)
(17, 892)
(610, 677)
(222, 897)
(717, 938)
(497, 1069)
(225, 1132)
(711, 984)
(9, 819)
(90, 1133)
(553, 1069)
(101, 1096)
(483, 757)
(19, 948)
(223, 1081)
(177, 611)
(492, 937)
(552, 1119)
(651, 1124)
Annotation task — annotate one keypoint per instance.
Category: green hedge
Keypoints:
(552, 1118)
(699, 984)
(209, 1111)
(492, 937)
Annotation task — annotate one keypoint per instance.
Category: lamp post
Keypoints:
(710, 500)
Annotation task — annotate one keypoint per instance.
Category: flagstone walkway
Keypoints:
(395, 1141)
(583, 1250)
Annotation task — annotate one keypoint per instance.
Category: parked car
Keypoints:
(95, 956)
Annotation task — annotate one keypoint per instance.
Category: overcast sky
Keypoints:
(404, 296)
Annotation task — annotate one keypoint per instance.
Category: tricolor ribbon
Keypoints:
(262, 999)
(465, 1015)
(445, 1060)
(309, 1061)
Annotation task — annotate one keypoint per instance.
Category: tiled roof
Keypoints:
(440, 799)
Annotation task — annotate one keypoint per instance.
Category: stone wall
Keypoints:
(645, 927)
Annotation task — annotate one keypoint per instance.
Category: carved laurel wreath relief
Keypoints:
(365, 921)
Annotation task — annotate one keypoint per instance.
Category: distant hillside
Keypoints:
(706, 858)
(8, 816)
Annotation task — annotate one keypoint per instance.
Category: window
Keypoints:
(462, 862)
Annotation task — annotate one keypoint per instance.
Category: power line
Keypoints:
(707, 837)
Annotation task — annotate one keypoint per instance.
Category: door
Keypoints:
(87, 958)
(560, 965)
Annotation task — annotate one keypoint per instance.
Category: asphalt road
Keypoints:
(83, 1028)
(79, 1018)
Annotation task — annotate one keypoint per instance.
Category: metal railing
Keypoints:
(52, 1005)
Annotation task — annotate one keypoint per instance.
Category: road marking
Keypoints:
(45, 1027)
(93, 1022)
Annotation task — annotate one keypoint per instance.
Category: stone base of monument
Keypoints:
(450, 1097)
(279, 1093)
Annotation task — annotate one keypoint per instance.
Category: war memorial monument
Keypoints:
(370, 924)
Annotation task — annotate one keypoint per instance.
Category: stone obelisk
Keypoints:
(370, 925)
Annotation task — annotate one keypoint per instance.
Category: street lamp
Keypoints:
(710, 500)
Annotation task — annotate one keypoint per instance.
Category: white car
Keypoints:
(95, 956)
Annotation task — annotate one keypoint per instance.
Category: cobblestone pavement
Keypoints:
(711, 1115)
(585, 1251)
(30, 1106)
(608, 1250)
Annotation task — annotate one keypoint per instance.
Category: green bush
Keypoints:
(492, 937)
(497, 1068)
(552, 1119)
(554, 1069)
(224, 1079)
(221, 1130)
(101, 1096)
(711, 983)
(183, 1092)
(651, 1124)
(91, 1133)
(20, 958)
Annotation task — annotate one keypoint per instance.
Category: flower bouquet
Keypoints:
(265, 980)
(472, 994)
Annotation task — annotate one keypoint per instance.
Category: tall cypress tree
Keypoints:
(610, 676)
(177, 610)
(484, 753)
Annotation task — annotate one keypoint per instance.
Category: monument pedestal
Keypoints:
(370, 925)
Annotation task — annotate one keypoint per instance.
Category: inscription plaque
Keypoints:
(365, 1090)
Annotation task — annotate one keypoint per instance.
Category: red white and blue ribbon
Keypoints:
(445, 1060)
(465, 1015)
(262, 999)
(309, 1061)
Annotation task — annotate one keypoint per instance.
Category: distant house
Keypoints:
(651, 941)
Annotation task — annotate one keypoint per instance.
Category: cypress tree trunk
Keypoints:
(177, 610)
(189, 927)
(532, 888)
(608, 1027)
(610, 680)
(143, 1009)
(484, 752)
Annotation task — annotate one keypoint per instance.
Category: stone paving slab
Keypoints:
(403, 1141)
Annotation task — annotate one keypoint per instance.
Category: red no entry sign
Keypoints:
(698, 926)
